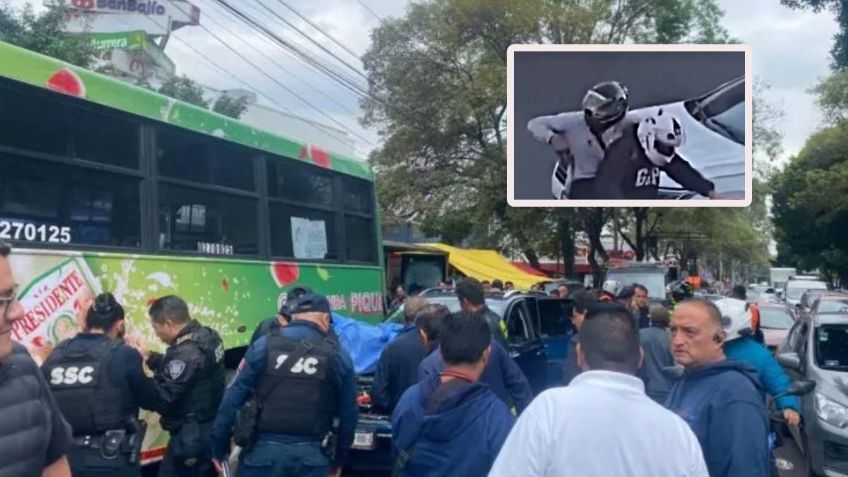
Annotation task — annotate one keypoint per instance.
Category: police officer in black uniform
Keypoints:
(303, 381)
(190, 382)
(99, 384)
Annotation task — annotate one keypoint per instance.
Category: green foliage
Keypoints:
(832, 95)
(839, 50)
(42, 33)
(184, 89)
(229, 106)
(437, 78)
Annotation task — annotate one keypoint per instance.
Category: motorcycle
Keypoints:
(777, 422)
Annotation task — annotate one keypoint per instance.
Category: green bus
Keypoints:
(105, 186)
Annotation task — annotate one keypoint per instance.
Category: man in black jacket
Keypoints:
(633, 164)
(398, 366)
(34, 437)
(472, 299)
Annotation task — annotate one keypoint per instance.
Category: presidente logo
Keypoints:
(149, 7)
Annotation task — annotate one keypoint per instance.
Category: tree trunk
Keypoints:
(641, 219)
(532, 257)
(566, 241)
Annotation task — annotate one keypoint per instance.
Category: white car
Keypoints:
(715, 142)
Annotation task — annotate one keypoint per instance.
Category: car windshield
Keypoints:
(453, 305)
(795, 293)
(730, 123)
(832, 347)
(723, 111)
(775, 319)
(833, 305)
(654, 282)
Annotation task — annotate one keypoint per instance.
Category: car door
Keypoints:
(525, 345)
(555, 329)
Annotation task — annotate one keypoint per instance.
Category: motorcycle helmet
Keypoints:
(605, 104)
(680, 291)
(735, 318)
(659, 134)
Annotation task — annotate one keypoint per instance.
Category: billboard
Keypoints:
(154, 17)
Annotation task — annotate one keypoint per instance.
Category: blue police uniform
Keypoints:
(317, 378)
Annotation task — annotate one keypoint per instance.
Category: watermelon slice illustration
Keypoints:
(284, 273)
(318, 155)
(66, 81)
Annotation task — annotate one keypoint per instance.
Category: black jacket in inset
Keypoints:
(626, 173)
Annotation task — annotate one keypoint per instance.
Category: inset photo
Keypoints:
(629, 126)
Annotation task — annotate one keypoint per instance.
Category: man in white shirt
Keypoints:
(602, 424)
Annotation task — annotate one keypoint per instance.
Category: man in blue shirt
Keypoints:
(450, 423)
(301, 381)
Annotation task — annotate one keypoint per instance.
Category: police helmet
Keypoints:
(659, 134)
(605, 103)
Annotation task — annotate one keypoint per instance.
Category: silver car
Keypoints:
(817, 349)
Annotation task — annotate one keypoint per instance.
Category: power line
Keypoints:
(311, 40)
(313, 25)
(280, 66)
(305, 57)
(283, 108)
(286, 88)
(368, 9)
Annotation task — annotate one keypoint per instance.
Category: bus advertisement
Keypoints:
(109, 187)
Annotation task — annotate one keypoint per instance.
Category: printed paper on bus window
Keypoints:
(309, 238)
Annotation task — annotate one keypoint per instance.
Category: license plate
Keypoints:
(363, 440)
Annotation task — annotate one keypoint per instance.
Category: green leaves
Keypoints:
(43, 33)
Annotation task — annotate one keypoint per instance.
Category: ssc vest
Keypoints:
(296, 394)
(79, 381)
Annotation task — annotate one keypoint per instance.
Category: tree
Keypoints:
(184, 89)
(839, 50)
(43, 34)
(230, 106)
(832, 96)
(437, 95)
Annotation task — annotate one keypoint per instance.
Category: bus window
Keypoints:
(292, 181)
(359, 239)
(205, 160)
(357, 196)
(299, 232)
(194, 220)
(48, 202)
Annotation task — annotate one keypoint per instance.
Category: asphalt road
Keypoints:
(554, 82)
(788, 452)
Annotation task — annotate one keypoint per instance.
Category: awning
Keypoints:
(488, 265)
(529, 269)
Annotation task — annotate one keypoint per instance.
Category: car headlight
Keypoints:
(831, 411)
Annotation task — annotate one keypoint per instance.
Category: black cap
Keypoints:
(309, 303)
(291, 299)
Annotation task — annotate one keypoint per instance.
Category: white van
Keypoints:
(795, 288)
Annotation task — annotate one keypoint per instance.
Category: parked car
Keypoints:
(794, 289)
(775, 320)
(817, 349)
(834, 302)
(715, 142)
(538, 332)
(809, 297)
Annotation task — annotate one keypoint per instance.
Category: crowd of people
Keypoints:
(459, 403)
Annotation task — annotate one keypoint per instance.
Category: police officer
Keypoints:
(283, 317)
(302, 381)
(99, 384)
(190, 382)
(35, 437)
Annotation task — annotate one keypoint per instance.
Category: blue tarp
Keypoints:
(363, 341)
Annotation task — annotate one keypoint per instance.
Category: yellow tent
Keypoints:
(487, 265)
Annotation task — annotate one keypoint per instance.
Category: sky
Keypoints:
(790, 52)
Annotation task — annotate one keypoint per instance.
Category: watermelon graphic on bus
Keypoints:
(68, 82)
